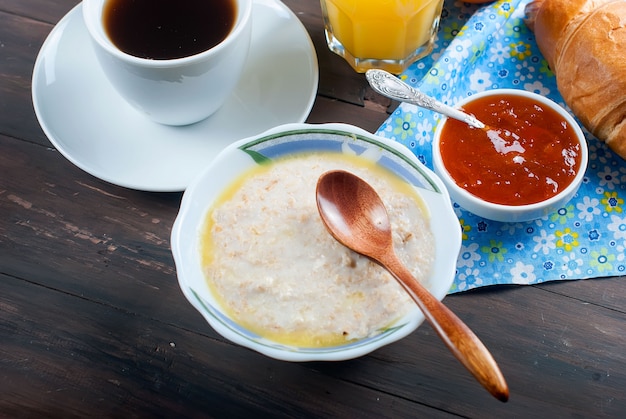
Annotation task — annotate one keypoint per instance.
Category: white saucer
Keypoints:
(95, 129)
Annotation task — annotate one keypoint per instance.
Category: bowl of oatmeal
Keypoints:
(254, 258)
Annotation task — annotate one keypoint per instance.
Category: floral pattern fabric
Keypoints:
(481, 47)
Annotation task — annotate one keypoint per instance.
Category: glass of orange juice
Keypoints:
(384, 34)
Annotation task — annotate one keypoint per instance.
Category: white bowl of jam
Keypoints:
(527, 162)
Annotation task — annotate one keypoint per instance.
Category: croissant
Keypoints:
(584, 42)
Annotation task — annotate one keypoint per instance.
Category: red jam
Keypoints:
(526, 154)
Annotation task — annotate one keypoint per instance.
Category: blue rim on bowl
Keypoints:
(299, 138)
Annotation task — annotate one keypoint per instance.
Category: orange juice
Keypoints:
(388, 34)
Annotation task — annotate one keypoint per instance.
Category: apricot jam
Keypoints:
(526, 154)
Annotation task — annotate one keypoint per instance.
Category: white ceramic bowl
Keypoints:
(502, 212)
(287, 140)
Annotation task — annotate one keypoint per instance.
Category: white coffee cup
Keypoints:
(178, 91)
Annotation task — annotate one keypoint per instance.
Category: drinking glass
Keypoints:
(384, 34)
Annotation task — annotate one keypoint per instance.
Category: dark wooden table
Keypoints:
(92, 322)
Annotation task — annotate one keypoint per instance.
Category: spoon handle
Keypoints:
(389, 85)
(459, 338)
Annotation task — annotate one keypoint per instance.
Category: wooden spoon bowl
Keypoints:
(355, 216)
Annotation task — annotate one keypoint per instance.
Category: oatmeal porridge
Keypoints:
(276, 270)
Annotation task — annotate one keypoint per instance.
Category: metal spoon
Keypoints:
(355, 215)
(389, 85)
(392, 87)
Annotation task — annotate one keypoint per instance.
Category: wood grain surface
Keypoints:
(93, 323)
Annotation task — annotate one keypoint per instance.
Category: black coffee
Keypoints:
(168, 29)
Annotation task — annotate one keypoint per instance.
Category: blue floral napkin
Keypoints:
(486, 47)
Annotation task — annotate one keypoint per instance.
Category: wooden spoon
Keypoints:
(355, 215)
